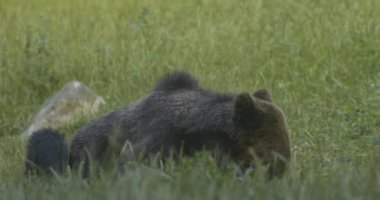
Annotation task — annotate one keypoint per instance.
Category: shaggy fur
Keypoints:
(46, 151)
(179, 116)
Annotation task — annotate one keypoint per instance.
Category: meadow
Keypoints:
(320, 60)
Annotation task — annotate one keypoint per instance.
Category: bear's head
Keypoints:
(263, 133)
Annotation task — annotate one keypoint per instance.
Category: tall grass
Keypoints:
(319, 59)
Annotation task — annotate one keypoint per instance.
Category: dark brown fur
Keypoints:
(180, 116)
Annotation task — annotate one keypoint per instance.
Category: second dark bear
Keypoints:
(180, 116)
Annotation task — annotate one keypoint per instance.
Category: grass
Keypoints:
(319, 59)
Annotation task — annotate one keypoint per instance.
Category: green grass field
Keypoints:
(319, 59)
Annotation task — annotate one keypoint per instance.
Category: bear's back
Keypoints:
(167, 119)
(176, 114)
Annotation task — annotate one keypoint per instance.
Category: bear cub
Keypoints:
(179, 117)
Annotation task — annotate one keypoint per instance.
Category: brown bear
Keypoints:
(180, 117)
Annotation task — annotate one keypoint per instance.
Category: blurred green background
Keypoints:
(319, 59)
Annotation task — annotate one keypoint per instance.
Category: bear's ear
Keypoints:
(262, 94)
(246, 114)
